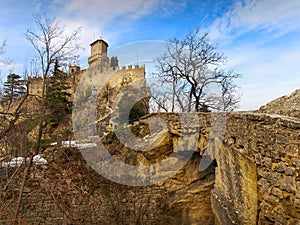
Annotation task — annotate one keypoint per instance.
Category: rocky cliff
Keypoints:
(257, 156)
(287, 105)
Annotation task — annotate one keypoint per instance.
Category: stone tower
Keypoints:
(98, 52)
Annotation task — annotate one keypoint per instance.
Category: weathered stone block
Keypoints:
(290, 171)
(264, 185)
(298, 186)
(288, 183)
(279, 167)
(258, 159)
(271, 199)
(295, 162)
(292, 150)
(279, 148)
(282, 139)
(297, 202)
(293, 222)
(269, 217)
(277, 192)
(264, 206)
(267, 162)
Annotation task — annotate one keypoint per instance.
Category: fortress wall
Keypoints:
(126, 75)
(35, 85)
(257, 175)
(121, 76)
(258, 166)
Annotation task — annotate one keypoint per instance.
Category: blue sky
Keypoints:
(261, 38)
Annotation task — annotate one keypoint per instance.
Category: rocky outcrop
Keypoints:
(288, 105)
(244, 169)
(257, 174)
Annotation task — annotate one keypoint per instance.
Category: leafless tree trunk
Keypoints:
(51, 44)
(193, 69)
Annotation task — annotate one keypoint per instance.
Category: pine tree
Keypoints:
(57, 96)
(14, 88)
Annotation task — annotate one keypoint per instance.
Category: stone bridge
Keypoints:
(257, 175)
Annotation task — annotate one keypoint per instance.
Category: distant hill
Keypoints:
(288, 105)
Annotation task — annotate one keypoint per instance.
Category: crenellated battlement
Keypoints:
(123, 75)
(35, 85)
(132, 67)
(134, 71)
(128, 74)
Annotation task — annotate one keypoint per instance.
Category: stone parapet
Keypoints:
(257, 175)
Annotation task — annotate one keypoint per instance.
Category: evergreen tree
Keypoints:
(57, 96)
(14, 87)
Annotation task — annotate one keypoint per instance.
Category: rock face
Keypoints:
(288, 105)
(68, 191)
(253, 177)
(257, 174)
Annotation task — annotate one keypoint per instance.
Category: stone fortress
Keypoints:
(109, 81)
(98, 57)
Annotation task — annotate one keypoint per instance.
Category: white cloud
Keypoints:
(108, 10)
(107, 19)
(249, 15)
(138, 52)
(256, 35)
(86, 35)
(37, 5)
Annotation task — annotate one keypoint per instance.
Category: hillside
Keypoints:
(287, 105)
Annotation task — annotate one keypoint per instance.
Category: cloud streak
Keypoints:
(268, 15)
(111, 20)
(109, 10)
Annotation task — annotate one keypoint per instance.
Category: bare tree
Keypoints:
(192, 70)
(51, 44)
(168, 95)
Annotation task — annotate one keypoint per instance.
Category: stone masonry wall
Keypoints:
(257, 174)
(35, 85)
(121, 75)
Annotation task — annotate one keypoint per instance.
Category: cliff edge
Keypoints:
(287, 105)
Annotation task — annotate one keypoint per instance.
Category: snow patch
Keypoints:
(76, 144)
(18, 161)
(79, 145)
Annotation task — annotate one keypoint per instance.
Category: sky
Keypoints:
(260, 38)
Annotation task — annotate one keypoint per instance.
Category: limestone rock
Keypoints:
(287, 105)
